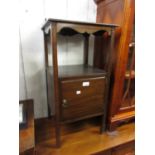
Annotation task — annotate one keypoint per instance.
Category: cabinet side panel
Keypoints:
(110, 12)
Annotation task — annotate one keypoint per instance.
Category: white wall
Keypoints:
(32, 16)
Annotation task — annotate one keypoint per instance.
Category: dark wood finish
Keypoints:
(123, 149)
(46, 50)
(118, 12)
(46, 65)
(98, 26)
(88, 103)
(26, 135)
(80, 137)
(28, 152)
(77, 71)
(64, 81)
(86, 46)
(119, 118)
(56, 82)
(109, 68)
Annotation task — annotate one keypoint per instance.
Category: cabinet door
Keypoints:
(82, 98)
(128, 98)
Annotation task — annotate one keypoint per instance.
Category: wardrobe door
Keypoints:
(128, 98)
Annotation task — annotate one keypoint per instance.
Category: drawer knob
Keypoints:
(65, 103)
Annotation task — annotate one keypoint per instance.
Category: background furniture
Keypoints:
(26, 133)
(122, 98)
(122, 149)
(78, 91)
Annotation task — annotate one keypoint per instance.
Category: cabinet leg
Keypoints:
(103, 125)
(112, 126)
(58, 139)
(58, 136)
(34, 152)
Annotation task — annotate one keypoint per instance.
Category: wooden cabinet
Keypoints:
(26, 132)
(79, 91)
(121, 100)
(128, 98)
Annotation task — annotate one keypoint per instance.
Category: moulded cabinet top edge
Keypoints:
(99, 26)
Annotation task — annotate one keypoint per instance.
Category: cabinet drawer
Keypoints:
(82, 97)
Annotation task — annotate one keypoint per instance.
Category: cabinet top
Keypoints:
(79, 23)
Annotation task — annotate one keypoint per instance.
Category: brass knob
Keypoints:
(65, 103)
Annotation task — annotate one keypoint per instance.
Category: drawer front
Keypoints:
(82, 97)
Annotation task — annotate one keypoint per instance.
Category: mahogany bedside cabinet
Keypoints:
(76, 92)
